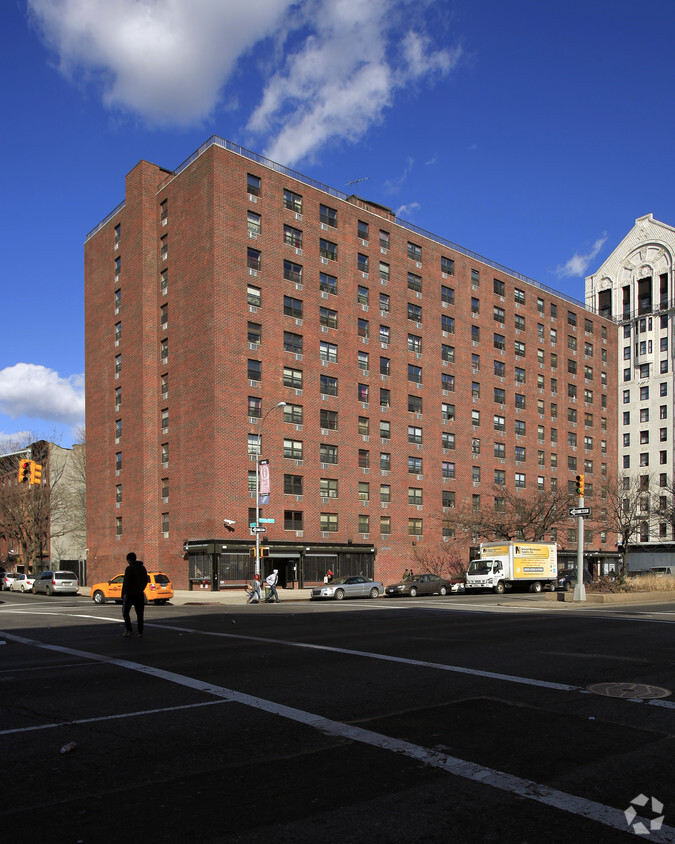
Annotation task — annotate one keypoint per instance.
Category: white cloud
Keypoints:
(27, 389)
(407, 209)
(394, 185)
(343, 77)
(578, 264)
(166, 60)
(330, 67)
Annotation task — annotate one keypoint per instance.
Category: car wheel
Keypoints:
(23, 588)
(499, 588)
(535, 587)
(339, 595)
(98, 597)
(374, 592)
(413, 592)
(568, 586)
(443, 590)
(48, 592)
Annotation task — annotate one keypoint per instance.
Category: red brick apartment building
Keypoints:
(416, 374)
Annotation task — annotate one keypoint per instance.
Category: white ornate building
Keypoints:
(634, 286)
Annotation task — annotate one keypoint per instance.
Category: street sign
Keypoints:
(580, 511)
(255, 529)
(266, 521)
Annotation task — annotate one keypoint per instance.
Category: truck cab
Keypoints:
(486, 573)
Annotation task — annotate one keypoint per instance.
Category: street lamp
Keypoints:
(257, 486)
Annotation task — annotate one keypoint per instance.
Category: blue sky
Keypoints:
(531, 133)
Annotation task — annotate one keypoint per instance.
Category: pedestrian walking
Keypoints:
(133, 593)
(271, 581)
(255, 592)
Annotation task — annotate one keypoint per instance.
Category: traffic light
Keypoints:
(264, 552)
(25, 471)
(251, 554)
(580, 486)
(35, 473)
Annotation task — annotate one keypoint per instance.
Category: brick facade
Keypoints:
(194, 227)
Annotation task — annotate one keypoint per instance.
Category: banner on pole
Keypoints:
(264, 481)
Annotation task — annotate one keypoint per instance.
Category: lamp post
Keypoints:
(257, 486)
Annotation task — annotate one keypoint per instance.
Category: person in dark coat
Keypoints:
(133, 588)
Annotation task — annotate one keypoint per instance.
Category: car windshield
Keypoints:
(339, 580)
(479, 567)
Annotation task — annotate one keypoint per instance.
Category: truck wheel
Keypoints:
(535, 587)
(499, 588)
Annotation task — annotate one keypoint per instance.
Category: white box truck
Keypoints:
(508, 565)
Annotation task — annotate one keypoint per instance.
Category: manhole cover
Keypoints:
(629, 690)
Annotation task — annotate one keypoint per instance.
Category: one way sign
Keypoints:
(580, 511)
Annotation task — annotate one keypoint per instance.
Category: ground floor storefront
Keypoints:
(218, 564)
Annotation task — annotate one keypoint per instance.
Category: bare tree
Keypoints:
(629, 509)
(441, 559)
(512, 516)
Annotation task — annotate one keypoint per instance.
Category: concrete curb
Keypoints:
(614, 597)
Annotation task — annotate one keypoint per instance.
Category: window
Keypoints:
(254, 407)
(327, 351)
(254, 333)
(520, 480)
(414, 282)
(385, 397)
(362, 295)
(164, 449)
(292, 519)
(362, 328)
(414, 252)
(385, 430)
(447, 265)
(384, 239)
(253, 260)
(572, 319)
(519, 349)
(414, 373)
(415, 496)
(384, 302)
(475, 305)
(499, 423)
(328, 419)
(475, 390)
(363, 358)
(519, 322)
(447, 412)
(475, 277)
(253, 184)
(385, 364)
(475, 334)
(499, 342)
(499, 395)
(292, 378)
(414, 465)
(163, 319)
(385, 461)
(362, 263)
(328, 386)
(293, 201)
(414, 434)
(414, 312)
(254, 224)
(447, 353)
(254, 370)
(447, 440)
(293, 272)
(364, 426)
(414, 343)
(293, 307)
(253, 296)
(447, 295)
(448, 498)
(164, 282)
(293, 449)
(328, 216)
(328, 488)
(447, 324)
(447, 469)
(364, 393)
(500, 451)
(293, 414)
(498, 287)
(328, 453)
(519, 428)
(415, 404)
(499, 315)
(500, 477)
(364, 523)
(362, 230)
(414, 527)
(447, 382)
(385, 493)
(328, 522)
(384, 272)
(385, 525)
(520, 454)
(292, 342)
(327, 249)
(519, 296)
(118, 397)
(364, 458)
(328, 317)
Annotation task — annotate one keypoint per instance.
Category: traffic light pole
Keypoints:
(257, 487)
(580, 588)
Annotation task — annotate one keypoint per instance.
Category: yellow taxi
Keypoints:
(158, 590)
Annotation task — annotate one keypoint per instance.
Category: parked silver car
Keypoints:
(56, 583)
(6, 579)
(348, 587)
(22, 583)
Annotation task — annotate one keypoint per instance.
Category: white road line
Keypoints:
(111, 717)
(570, 803)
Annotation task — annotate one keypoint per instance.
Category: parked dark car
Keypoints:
(420, 584)
(567, 579)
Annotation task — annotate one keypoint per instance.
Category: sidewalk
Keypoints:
(232, 597)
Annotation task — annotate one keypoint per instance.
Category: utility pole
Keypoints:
(580, 588)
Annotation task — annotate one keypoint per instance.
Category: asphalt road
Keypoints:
(420, 720)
